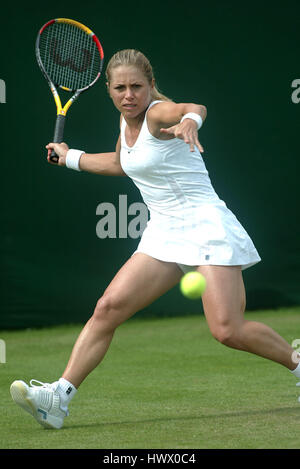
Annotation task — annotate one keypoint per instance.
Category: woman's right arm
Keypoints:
(106, 164)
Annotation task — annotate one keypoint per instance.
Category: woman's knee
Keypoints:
(227, 333)
(107, 311)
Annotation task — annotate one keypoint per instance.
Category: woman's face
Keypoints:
(130, 90)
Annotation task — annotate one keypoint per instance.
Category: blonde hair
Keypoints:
(139, 60)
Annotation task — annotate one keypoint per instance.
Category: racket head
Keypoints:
(69, 54)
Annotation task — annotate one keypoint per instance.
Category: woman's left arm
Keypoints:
(166, 118)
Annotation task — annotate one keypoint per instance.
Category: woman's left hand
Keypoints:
(186, 131)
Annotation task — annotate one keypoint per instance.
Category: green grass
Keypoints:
(165, 383)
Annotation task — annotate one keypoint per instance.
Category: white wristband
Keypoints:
(72, 159)
(196, 117)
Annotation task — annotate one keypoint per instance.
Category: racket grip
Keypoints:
(58, 135)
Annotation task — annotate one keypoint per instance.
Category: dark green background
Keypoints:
(237, 58)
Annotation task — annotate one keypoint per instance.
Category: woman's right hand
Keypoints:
(61, 150)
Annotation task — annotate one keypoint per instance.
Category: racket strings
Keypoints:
(69, 55)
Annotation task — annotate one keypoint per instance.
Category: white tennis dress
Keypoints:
(189, 224)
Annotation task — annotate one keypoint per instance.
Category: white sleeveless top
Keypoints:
(189, 224)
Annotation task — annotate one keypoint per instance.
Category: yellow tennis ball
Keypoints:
(192, 285)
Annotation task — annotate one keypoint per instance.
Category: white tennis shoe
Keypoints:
(42, 401)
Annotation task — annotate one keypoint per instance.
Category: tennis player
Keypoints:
(189, 228)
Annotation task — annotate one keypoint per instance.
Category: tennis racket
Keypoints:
(70, 57)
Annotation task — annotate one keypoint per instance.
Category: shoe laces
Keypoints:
(47, 386)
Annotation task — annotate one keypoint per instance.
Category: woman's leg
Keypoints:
(224, 304)
(138, 283)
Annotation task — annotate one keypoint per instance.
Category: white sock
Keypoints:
(296, 371)
(66, 391)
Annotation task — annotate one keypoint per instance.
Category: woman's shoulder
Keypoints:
(156, 107)
(160, 114)
(160, 111)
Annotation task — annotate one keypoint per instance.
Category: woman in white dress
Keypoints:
(189, 228)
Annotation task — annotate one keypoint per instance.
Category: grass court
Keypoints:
(164, 383)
